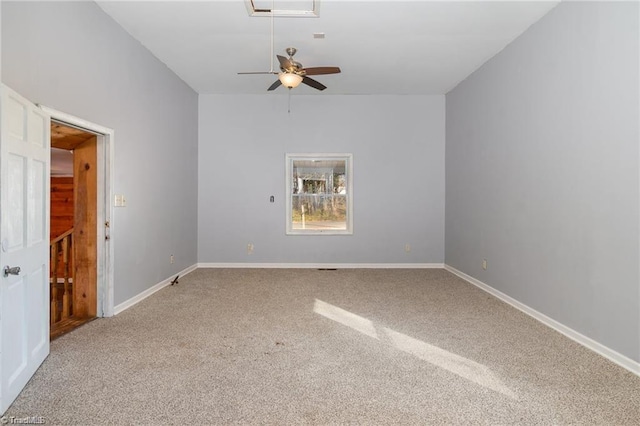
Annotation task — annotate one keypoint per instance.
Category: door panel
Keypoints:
(16, 166)
(14, 359)
(37, 302)
(36, 131)
(35, 199)
(24, 235)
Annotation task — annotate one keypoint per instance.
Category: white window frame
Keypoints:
(348, 159)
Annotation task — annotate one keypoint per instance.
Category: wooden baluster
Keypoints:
(54, 283)
(65, 270)
(72, 279)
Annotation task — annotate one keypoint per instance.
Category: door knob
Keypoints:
(11, 271)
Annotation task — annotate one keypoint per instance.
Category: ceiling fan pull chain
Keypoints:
(289, 102)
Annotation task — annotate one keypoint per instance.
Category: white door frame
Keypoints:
(105, 206)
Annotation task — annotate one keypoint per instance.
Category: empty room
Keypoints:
(320, 212)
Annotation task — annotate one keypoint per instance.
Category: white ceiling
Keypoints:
(382, 47)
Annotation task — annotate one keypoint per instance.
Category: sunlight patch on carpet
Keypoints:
(456, 364)
(347, 318)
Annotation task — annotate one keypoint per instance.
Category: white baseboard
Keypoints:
(589, 343)
(148, 292)
(325, 265)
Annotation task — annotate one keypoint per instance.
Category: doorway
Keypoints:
(73, 230)
(81, 254)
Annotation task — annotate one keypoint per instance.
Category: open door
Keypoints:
(24, 242)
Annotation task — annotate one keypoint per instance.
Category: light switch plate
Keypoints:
(119, 201)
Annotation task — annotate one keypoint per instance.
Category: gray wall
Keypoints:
(76, 59)
(542, 171)
(397, 144)
(1, 40)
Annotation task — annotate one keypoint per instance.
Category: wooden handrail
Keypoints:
(61, 237)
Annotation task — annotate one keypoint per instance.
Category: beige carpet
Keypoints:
(258, 346)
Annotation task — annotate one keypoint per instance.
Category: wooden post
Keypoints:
(65, 269)
(54, 284)
(85, 239)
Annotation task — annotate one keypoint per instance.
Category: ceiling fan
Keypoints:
(292, 73)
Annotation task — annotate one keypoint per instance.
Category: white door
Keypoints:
(24, 237)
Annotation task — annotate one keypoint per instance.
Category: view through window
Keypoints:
(319, 192)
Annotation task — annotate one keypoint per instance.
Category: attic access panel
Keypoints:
(290, 8)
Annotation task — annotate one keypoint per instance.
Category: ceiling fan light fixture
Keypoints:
(290, 80)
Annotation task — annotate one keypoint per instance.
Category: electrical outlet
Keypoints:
(407, 248)
(249, 248)
(171, 259)
(484, 264)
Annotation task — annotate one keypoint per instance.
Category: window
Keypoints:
(319, 194)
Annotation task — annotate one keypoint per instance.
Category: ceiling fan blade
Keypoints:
(315, 84)
(258, 72)
(275, 85)
(285, 63)
(321, 70)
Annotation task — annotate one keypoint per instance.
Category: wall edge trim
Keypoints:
(613, 356)
(148, 292)
(324, 265)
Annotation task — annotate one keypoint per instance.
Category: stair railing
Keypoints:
(61, 252)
